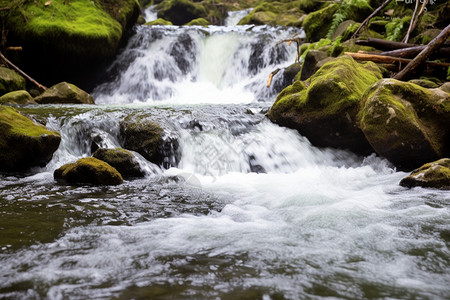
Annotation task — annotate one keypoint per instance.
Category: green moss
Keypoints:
(396, 29)
(89, 170)
(121, 159)
(10, 81)
(20, 125)
(198, 22)
(17, 97)
(434, 175)
(318, 23)
(159, 21)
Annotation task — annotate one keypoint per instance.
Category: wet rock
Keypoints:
(159, 21)
(425, 83)
(88, 170)
(270, 14)
(198, 22)
(20, 97)
(10, 81)
(406, 123)
(431, 175)
(180, 12)
(64, 93)
(309, 65)
(150, 140)
(324, 110)
(124, 161)
(23, 143)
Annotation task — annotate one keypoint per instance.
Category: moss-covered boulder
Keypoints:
(406, 123)
(20, 97)
(309, 64)
(88, 170)
(431, 175)
(64, 93)
(10, 81)
(159, 21)
(180, 12)
(149, 139)
(317, 24)
(87, 31)
(124, 161)
(23, 143)
(282, 14)
(198, 22)
(324, 110)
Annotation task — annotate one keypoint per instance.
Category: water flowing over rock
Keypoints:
(24, 144)
(431, 175)
(88, 170)
(407, 124)
(122, 160)
(325, 111)
(64, 93)
(10, 81)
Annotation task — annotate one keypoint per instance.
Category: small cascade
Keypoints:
(187, 65)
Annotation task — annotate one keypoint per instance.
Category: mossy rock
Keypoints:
(317, 24)
(88, 170)
(87, 31)
(310, 62)
(271, 14)
(198, 22)
(431, 175)
(64, 93)
(17, 98)
(325, 111)
(159, 21)
(10, 81)
(308, 5)
(124, 161)
(406, 123)
(149, 139)
(23, 143)
(426, 83)
(180, 12)
(427, 36)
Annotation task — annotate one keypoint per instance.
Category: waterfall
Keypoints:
(187, 65)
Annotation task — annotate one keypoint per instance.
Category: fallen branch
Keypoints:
(415, 19)
(40, 86)
(14, 49)
(383, 44)
(424, 54)
(412, 52)
(390, 59)
(271, 76)
(385, 3)
(298, 41)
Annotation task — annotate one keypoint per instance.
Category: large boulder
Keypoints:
(317, 24)
(406, 123)
(324, 110)
(147, 138)
(88, 170)
(89, 32)
(268, 14)
(10, 81)
(64, 93)
(180, 12)
(23, 143)
(433, 175)
(20, 97)
(124, 161)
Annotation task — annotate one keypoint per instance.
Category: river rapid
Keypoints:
(244, 210)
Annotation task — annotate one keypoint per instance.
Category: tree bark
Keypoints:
(390, 45)
(390, 59)
(413, 51)
(424, 54)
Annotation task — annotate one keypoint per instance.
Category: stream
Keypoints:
(245, 209)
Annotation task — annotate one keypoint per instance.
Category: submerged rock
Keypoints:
(23, 143)
(88, 170)
(324, 110)
(64, 93)
(20, 97)
(124, 161)
(150, 140)
(432, 175)
(10, 81)
(406, 123)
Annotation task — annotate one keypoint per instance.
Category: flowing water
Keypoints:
(244, 209)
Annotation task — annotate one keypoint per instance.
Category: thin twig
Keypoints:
(385, 3)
